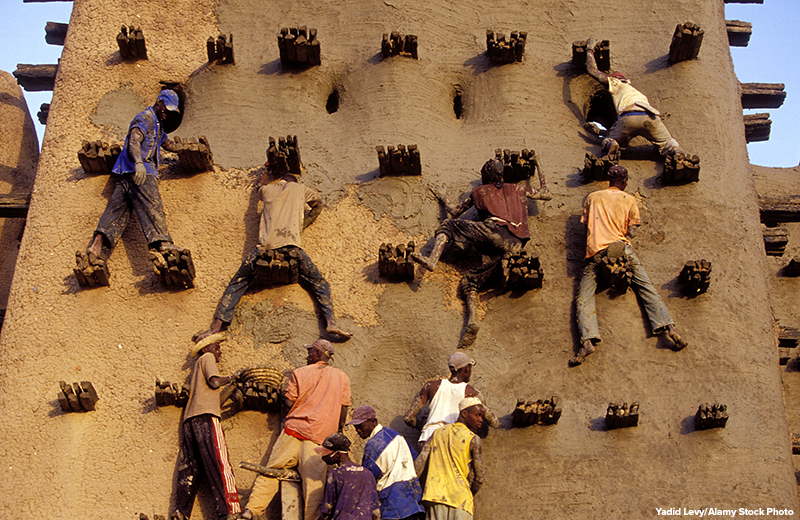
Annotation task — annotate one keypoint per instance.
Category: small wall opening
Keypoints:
(333, 102)
(600, 109)
(458, 103)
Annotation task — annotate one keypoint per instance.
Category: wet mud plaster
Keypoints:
(116, 109)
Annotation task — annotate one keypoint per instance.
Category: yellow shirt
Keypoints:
(607, 215)
(448, 467)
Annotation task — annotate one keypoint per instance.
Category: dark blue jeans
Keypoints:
(310, 279)
(145, 200)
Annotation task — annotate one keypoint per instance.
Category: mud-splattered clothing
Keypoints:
(448, 468)
(203, 446)
(506, 205)
(350, 493)
(391, 460)
(635, 116)
(284, 209)
(607, 214)
(281, 223)
(443, 408)
(148, 124)
(443, 512)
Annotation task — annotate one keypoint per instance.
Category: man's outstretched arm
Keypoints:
(591, 63)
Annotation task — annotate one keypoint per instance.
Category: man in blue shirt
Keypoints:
(136, 172)
(391, 460)
(349, 489)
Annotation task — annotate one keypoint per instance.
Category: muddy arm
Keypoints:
(632, 230)
(416, 406)
(422, 459)
(591, 63)
(316, 209)
(169, 145)
(488, 415)
(543, 193)
(476, 466)
(342, 417)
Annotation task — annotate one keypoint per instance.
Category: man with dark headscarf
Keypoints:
(502, 226)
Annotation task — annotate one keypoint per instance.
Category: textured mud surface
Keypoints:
(120, 459)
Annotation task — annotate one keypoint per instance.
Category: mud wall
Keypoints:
(120, 459)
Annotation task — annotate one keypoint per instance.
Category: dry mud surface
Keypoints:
(120, 459)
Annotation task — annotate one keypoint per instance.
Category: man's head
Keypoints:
(334, 448)
(460, 366)
(209, 344)
(320, 350)
(618, 176)
(492, 172)
(364, 420)
(167, 101)
(471, 412)
(620, 76)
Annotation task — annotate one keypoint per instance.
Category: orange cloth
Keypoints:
(607, 215)
(319, 392)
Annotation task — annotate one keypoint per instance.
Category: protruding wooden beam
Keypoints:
(55, 33)
(738, 32)
(739, 1)
(763, 95)
(36, 78)
(779, 208)
(14, 206)
(757, 127)
(42, 1)
(44, 111)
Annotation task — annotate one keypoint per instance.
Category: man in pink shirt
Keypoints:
(611, 215)
(317, 398)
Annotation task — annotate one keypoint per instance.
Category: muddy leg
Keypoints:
(471, 332)
(430, 262)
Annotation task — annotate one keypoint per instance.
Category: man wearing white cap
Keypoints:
(317, 397)
(443, 396)
(391, 460)
(455, 466)
(136, 173)
(203, 444)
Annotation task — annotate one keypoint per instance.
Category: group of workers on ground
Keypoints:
(318, 395)
(387, 483)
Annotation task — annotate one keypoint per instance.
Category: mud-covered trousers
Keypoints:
(145, 200)
(489, 238)
(203, 447)
(309, 276)
(654, 306)
(631, 124)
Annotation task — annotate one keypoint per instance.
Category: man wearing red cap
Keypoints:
(612, 217)
(349, 488)
(455, 465)
(635, 115)
(203, 444)
(443, 396)
(136, 173)
(317, 397)
(391, 460)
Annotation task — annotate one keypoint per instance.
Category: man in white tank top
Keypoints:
(442, 397)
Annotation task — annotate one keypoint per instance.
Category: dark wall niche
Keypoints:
(332, 104)
(600, 109)
(458, 103)
(174, 119)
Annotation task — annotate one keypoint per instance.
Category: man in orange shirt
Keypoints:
(611, 215)
(317, 398)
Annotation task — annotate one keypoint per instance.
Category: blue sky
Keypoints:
(769, 58)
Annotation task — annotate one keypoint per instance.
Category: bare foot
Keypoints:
(334, 329)
(588, 348)
(676, 338)
(470, 334)
(246, 514)
(95, 248)
(421, 260)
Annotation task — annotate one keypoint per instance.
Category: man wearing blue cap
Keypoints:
(136, 172)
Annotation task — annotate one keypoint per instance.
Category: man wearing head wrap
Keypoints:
(203, 447)
(317, 398)
(635, 115)
(136, 190)
(502, 226)
(612, 217)
(455, 465)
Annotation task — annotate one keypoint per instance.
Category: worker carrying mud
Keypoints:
(317, 398)
(283, 217)
(350, 492)
(455, 466)
(136, 190)
(502, 226)
(612, 218)
(203, 448)
(635, 115)
(442, 397)
(391, 460)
